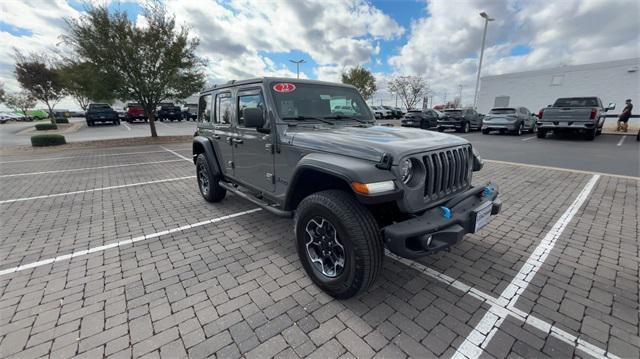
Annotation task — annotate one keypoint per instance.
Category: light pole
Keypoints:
(298, 62)
(484, 37)
(460, 94)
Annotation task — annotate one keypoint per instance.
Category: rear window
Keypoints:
(576, 102)
(502, 111)
(453, 112)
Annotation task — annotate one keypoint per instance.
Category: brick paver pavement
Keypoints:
(235, 287)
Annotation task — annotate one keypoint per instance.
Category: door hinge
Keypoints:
(270, 177)
(268, 147)
(230, 164)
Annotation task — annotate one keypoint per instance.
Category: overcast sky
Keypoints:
(438, 39)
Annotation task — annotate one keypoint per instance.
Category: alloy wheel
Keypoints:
(324, 249)
(203, 179)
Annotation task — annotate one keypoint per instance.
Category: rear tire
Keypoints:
(542, 133)
(355, 237)
(519, 131)
(208, 183)
(485, 132)
(591, 135)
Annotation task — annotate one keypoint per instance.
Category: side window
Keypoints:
(204, 108)
(223, 109)
(248, 101)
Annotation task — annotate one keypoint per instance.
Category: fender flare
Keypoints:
(207, 146)
(346, 169)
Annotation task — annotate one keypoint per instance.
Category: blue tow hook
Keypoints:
(487, 192)
(446, 212)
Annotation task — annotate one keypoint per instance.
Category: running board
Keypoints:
(262, 204)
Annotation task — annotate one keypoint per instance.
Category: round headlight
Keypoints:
(406, 170)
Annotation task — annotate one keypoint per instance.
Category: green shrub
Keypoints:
(46, 126)
(47, 140)
(62, 120)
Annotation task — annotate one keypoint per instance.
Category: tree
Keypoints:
(20, 102)
(410, 89)
(86, 83)
(39, 75)
(362, 79)
(149, 64)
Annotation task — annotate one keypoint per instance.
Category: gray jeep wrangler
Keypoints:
(311, 150)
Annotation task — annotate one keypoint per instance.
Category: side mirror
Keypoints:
(612, 106)
(253, 117)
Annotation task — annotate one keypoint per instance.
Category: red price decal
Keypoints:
(284, 87)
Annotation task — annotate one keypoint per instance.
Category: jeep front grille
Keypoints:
(447, 171)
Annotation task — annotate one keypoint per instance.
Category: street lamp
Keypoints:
(484, 37)
(298, 62)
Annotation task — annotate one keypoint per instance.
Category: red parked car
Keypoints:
(134, 111)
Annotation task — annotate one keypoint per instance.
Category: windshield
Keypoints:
(308, 101)
(99, 107)
(576, 102)
(503, 111)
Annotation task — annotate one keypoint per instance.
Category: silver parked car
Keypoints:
(514, 120)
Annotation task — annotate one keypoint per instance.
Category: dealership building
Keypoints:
(612, 81)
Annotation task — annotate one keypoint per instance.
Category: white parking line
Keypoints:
(86, 168)
(94, 189)
(177, 154)
(528, 138)
(122, 243)
(72, 157)
(501, 311)
(127, 126)
(470, 347)
(621, 141)
(563, 169)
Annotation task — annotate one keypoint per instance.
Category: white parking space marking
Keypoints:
(563, 169)
(529, 138)
(177, 154)
(163, 124)
(469, 348)
(122, 243)
(86, 168)
(501, 310)
(621, 141)
(127, 126)
(95, 189)
(90, 156)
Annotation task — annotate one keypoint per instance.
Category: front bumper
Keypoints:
(432, 232)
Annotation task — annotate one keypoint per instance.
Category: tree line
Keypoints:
(112, 58)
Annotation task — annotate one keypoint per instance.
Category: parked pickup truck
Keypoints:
(584, 115)
(352, 187)
(134, 112)
(169, 111)
(101, 112)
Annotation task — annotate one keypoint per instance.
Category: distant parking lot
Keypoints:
(113, 252)
(9, 133)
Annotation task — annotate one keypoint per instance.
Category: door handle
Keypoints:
(215, 137)
(237, 140)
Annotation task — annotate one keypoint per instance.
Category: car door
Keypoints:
(217, 127)
(253, 147)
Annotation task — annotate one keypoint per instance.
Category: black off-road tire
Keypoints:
(211, 191)
(358, 232)
(590, 135)
(541, 133)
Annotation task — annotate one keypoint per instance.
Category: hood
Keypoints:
(371, 142)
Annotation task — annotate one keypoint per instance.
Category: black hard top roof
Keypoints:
(266, 80)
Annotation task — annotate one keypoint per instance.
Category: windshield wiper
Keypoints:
(303, 118)
(340, 117)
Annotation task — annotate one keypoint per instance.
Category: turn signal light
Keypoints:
(372, 188)
(593, 114)
(540, 113)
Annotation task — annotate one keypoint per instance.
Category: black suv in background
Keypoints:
(427, 119)
(101, 112)
(190, 111)
(460, 119)
(169, 111)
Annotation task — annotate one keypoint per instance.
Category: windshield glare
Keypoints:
(503, 111)
(320, 101)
